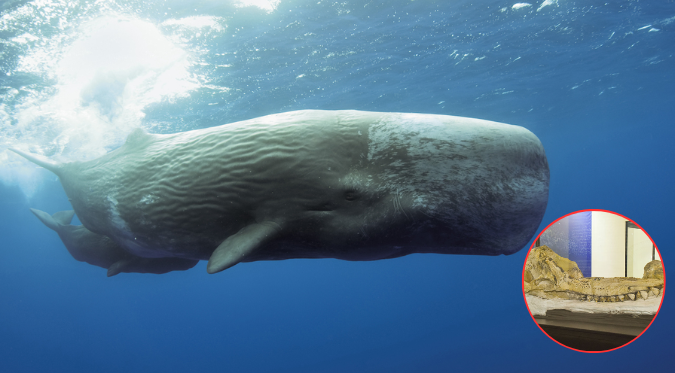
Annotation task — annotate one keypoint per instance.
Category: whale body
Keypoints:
(349, 185)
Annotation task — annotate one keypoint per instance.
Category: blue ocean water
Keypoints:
(594, 80)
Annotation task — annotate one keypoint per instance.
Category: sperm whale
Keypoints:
(345, 184)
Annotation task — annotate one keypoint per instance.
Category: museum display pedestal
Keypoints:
(592, 326)
(592, 331)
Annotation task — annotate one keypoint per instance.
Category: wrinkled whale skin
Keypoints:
(349, 185)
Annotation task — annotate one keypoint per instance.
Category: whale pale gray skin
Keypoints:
(349, 185)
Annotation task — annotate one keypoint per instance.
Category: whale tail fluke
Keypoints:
(55, 221)
(39, 160)
(99, 250)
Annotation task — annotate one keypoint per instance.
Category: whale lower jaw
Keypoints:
(550, 276)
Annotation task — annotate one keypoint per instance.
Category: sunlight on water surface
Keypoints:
(116, 67)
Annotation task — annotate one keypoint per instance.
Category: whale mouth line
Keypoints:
(322, 208)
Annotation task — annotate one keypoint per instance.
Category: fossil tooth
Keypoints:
(643, 294)
(631, 296)
(621, 297)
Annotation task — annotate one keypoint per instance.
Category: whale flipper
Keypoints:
(240, 244)
(150, 265)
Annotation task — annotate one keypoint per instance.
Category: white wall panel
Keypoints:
(608, 251)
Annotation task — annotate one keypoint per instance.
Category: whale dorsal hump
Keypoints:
(138, 137)
(236, 247)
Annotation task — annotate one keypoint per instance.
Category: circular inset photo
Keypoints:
(593, 281)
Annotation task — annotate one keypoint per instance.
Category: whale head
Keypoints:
(393, 184)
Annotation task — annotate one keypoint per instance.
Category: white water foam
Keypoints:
(266, 5)
(102, 78)
(517, 6)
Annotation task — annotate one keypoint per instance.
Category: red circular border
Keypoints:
(523, 280)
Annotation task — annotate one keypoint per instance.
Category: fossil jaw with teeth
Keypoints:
(548, 275)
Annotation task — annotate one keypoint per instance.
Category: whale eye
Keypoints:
(350, 195)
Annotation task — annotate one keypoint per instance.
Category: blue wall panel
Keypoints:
(557, 237)
(580, 241)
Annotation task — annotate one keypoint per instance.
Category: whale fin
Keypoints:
(39, 160)
(63, 217)
(55, 221)
(150, 265)
(117, 267)
(241, 244)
